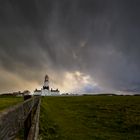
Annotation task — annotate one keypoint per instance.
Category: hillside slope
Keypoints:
(90, 118)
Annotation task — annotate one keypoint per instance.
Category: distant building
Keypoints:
(17, 93)
(45, 91)
(37, 92)
(24, 93)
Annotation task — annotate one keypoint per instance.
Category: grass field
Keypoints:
(90, 118)
(7, 101)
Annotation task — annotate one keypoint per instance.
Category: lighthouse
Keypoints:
(45, 91)
(46, 82)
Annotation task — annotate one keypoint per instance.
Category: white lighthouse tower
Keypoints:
(46, 82)
(45, 91)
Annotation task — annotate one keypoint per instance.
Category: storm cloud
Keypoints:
(97, 38)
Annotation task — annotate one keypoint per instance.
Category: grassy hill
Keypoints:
(9, 101)
(90, 118)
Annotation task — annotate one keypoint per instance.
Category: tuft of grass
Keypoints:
(90, 118)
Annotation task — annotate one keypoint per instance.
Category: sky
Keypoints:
(83, 45)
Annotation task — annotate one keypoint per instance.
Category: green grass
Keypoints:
(90, 118)
(8, 101)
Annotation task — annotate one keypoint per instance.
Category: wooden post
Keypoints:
(28, 121)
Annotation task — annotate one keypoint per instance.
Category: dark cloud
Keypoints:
(99, 38)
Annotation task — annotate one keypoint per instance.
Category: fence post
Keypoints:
(27, 123)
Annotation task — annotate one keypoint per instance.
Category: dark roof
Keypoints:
(36, 90)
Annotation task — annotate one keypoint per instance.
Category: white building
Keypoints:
(45, 91)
